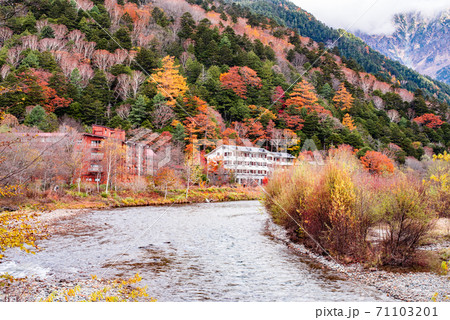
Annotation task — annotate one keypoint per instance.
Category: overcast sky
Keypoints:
(369, 16)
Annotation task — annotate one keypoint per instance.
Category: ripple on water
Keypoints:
(216, 251)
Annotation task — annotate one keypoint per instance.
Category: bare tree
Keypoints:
(123, 86)
(59, 30)
(68, 63)
(120, 55)
(123, 111)
(136, 79)
(40, 24)
(85, 5)
(48, 44)
(102, 59)
(30, 42)
(86, 73)
(4, 71)
(76, 35)
(113, 158)
(299, 60)
(5, 34)
(393, 115)
(14, 56)
(410, 113)
(162, 115)
(378, 102)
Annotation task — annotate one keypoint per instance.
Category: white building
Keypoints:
(249, 164)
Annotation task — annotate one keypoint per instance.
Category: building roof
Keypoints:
(253, 149)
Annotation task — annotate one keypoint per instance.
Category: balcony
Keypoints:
(95, 169)
(96, 156)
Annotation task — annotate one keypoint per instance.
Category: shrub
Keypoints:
(319, 204)
(336, 205)
(438, 184)
(404, 211)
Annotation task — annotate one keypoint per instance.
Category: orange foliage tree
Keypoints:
(376, 162)
(348, 122)
(203, 125)
(166, 178)
(36, 85)
(303, 96)
(343, 99)
(429, 120)
(169, 82)
(238, 78)
(230, 136)
(255, 130)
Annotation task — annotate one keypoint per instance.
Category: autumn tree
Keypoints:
(303, 96)
(278, 97)
(192, 170)
(348, 122)
(231, 136)
(35, 86)
(238, 78)
(376, 162)
(343, 99)
(168, 81)
(166, 178)
(255, 131)
(203, 125)
(429, 120)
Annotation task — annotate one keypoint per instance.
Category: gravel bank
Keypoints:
(410, 286)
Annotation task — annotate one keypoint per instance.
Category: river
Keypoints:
(198, 252)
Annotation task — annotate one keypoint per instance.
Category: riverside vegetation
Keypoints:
(356, 214)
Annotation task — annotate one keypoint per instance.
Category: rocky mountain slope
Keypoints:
(356, 51)
(419, 42)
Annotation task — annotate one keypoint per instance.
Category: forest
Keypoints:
(356, 52)
(204, 70)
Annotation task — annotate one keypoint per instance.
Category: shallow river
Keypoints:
(215, 251)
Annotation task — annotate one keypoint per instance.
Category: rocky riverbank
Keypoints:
(405, 286)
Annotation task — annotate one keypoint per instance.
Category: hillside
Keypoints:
(350, 46)
(202, 69)
(420, 43)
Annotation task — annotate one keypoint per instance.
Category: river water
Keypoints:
(210, 251)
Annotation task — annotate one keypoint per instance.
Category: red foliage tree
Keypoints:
(238, 78)
(376, 162)
(429, 120)
(36, 84)
(278, 97)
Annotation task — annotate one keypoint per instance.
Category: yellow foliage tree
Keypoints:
(348, 122)
(343, 99)
(169, 82)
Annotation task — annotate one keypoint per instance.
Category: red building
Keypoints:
(138, 156)
(90, 149)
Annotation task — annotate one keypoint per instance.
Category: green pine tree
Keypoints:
(179, 134)
(47, 32)
(138, 111)
(35, 117)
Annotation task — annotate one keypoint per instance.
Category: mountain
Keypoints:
(210, 70)
(418, 42)
(350, 46)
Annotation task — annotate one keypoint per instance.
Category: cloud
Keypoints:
(369, 16)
